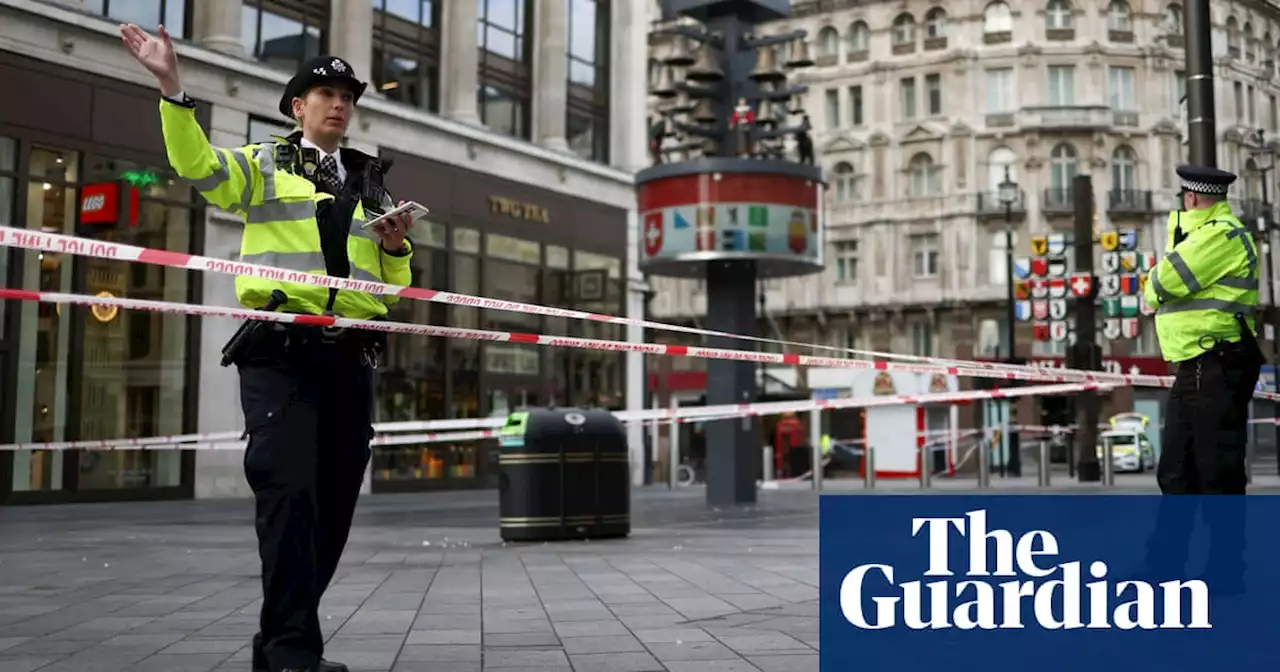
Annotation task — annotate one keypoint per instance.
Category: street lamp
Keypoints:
(1008, 193)
(1264, 158)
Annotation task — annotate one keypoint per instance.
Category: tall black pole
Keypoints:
(1200, 123)
(1264, 229)
(1088, 354)
(1015, 449)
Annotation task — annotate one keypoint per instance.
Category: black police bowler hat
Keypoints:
(317, 71)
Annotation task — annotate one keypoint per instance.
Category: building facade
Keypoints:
(513, 121)
(921, 109)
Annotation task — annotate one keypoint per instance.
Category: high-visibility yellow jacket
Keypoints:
(1204, 281)
(279, 210)
(824, 444)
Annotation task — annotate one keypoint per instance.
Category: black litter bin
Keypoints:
(564, 473)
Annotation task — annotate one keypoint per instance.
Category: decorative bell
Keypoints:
(706, 69)
(799, 57)
(681, 54)
(665, 87)
(704, 112)
(766, 69)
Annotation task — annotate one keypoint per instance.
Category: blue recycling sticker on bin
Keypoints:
(1049, 582)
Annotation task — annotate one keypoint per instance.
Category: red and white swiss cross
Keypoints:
(653, 233)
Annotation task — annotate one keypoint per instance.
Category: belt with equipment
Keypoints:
(257, 341)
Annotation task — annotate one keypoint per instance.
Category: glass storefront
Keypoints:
(431, 378)
(79, 373)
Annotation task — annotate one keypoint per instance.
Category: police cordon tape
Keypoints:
(697, 352)
(74, 245)
(489, 425)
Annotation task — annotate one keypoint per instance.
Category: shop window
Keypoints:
(595, 377)
(506, 61)
(103, 373)
(147, 14)
(8, 210)
(412, 373)
(587, 125)
(284, 33)
(406, 51)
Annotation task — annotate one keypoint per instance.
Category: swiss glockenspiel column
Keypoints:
(729, 199)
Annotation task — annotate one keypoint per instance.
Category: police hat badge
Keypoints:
(1127, 239)
(1109, 240)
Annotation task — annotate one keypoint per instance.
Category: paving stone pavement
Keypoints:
(425, 584)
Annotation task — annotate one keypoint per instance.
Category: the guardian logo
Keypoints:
(1037, 579)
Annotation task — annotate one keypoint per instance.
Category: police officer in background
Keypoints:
(306, 392)
(1205, 292)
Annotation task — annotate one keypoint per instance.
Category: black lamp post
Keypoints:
(1008, 194)
(1264, 157)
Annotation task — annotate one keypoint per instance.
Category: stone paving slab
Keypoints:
(426, 584)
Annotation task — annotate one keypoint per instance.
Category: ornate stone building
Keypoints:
(919, 108)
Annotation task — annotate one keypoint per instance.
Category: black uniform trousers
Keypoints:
(308, 408)
(1203, 453)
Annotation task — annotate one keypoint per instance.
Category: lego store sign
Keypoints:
(100, 204)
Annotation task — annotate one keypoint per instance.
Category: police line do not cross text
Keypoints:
(982, 604)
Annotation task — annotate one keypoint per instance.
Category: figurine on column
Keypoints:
(804, 142)
(742, 120)
(657, 131)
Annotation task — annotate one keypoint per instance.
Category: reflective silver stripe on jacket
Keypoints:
(1231, 307)
(289, 261)
(305, 262)
(280, 211)
(266, 156)
(1184, 272)
(215, 179)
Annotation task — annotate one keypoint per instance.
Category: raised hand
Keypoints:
(154, 54)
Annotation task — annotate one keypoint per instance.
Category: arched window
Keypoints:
(1265, 50)
(859, 37)
(904, 29)
(1062, 170)
(844, 179)
(935, 24)
(1057, 15)
(1124, 172)
(923, 176)
(997, 18)
(1000, 159)
(1173, 19)
(1119, 17)
(1247, 41)
(828, 42)
(1233, 37)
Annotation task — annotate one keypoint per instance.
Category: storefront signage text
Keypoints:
(510, 207)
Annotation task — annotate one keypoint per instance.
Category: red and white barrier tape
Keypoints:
(1026, 374)
(63, 244)
(687, 414)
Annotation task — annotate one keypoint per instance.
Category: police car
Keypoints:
(1131, 450)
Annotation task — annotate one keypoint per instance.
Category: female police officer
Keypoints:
(307, 394)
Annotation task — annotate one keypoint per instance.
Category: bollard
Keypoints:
(815, 466)
(868, 468)
(984, 465)
(767, 467)
(926, 467)
(1108, 464)
(1044, 463)
(674, 448)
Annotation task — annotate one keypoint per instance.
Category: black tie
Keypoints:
(327, 176)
